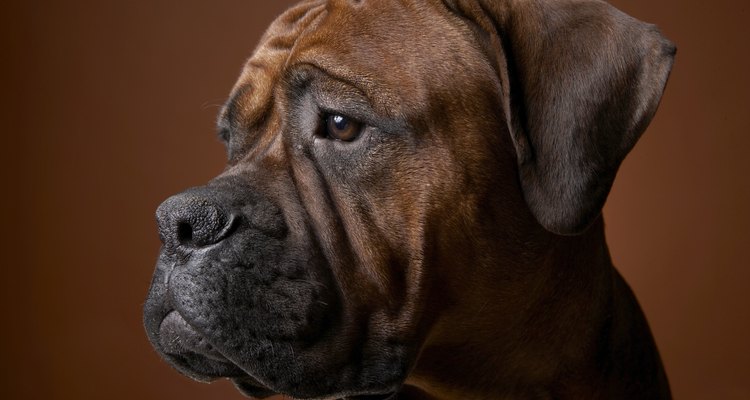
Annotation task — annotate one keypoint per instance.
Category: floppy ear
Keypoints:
(582, 82)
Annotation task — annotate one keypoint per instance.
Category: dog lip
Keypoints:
(191, 352)
(179, 337)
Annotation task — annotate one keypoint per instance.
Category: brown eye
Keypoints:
(338, 127)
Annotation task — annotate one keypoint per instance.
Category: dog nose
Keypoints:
(191, 220)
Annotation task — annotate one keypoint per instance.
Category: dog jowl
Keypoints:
(411, 208)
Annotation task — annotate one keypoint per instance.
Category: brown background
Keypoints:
(108, 108)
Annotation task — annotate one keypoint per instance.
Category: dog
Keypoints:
(411, 208)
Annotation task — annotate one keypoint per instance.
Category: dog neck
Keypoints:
(563, 324)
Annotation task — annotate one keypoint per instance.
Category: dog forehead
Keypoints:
(253, 91)
(392, 50)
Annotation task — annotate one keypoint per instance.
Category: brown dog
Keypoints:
(412, 204)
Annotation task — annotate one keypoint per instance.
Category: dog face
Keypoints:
(377, 167)
(302, 268)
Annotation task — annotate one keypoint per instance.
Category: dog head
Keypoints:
(382, 156)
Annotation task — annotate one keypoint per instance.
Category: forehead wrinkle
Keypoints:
(310, 25)
(353, 44)
(252, 96)
(369, 86)
(348, 78)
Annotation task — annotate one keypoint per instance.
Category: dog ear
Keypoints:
(582, 80)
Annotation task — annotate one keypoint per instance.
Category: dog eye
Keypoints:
(339, 127)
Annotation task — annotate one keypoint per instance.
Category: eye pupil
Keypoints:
(339, 127)
(340, 122)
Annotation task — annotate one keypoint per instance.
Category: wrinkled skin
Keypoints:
(410, 259)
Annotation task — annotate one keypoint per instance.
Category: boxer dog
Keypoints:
(411, 208)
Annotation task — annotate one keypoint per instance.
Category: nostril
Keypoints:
(194, 221)
(184, 233)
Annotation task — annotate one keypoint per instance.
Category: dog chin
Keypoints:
(252, 388)
(244, 383)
